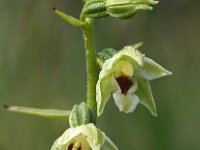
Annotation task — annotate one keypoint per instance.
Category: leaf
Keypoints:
(69, 19)
(45, 113)
(145, 95)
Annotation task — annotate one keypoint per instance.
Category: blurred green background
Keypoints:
(42, 64)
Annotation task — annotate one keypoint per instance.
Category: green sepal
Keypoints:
(137, 45)
(144, 92)
(45, 113)
(81, 115)
(108, 145)
(152, 70)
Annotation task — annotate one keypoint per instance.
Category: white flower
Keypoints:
(84, 137)
(126, 76)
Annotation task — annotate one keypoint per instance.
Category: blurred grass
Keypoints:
(42, 64)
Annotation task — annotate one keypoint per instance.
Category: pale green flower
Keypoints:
(127, 8)
(84, 137)
(124, 9)
(126, 76)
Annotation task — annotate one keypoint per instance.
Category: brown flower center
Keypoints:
(124, 84)
(71, 146)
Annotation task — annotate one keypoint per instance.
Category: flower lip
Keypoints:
(124, 83)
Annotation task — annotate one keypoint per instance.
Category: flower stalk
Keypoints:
(91, 63)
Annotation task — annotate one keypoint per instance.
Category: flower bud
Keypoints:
(81, 115)
(124, 9)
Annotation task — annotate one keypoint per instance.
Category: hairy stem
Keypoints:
(91, 64)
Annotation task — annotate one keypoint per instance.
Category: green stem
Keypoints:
(91, 64)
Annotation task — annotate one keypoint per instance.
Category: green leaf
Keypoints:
(69, 19)
(151, 70)
(45, 113)
(146, 97)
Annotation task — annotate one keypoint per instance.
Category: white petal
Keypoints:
(133, 88)
(126, 103)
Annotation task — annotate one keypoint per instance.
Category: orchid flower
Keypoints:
(84, 137)
(126, 76)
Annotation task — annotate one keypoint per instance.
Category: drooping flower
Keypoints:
(126, 76)
(84, 137)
